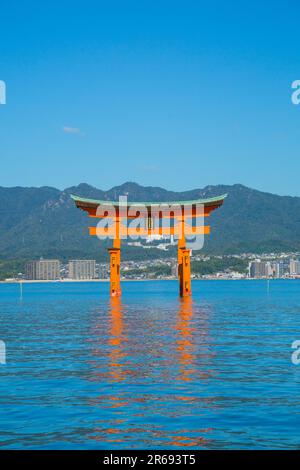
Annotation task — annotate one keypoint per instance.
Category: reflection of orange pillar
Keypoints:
(116, 339)
(185, 345)
(184, 271)
(115, 261)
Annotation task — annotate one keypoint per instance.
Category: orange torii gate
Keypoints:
(148, 218)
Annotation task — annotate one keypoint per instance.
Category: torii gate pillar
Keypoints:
(115, 262)
(184, 264)
(184, 271)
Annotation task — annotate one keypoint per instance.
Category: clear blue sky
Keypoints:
(179, 94)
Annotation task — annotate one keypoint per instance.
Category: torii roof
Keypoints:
(83, 203)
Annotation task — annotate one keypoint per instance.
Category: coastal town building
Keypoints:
(42, 270)
(294, 267)
(275, 268)
(204, 266)
(281, 268)
(260, 268)
(82, 269)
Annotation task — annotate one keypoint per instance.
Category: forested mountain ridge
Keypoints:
(44, 221)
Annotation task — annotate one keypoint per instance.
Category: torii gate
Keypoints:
(154, 216)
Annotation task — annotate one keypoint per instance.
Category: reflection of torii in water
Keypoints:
(185, 346)
(116, 339)
(187, 334)
(187, 342)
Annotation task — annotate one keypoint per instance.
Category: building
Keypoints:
(281, 268)
(256, 269)
(294, 267)
(82, 269)
(43, 270)
(260, 268)
(174, 269)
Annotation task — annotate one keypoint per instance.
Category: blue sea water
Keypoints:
(151, 370)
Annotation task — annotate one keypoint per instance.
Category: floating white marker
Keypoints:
(2, 92)
(2, 352)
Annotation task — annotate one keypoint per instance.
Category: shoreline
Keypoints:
(68, 281)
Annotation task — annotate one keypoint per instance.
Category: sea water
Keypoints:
(150, 370)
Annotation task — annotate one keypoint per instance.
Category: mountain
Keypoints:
(44, 221)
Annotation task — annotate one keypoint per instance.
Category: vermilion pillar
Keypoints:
(184, 262)
(115, 261)
(184, 271)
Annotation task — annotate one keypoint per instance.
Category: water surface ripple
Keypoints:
(150, 370)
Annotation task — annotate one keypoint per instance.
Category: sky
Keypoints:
(178, 94)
